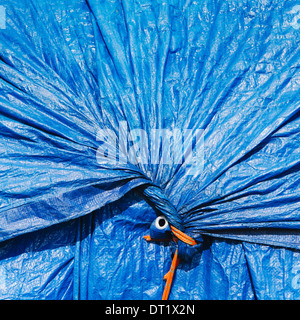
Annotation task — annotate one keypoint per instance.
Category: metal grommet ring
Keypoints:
(161, 223)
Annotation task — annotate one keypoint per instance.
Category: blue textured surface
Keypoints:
(71, 228)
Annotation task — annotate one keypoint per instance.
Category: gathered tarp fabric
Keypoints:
(89, 93)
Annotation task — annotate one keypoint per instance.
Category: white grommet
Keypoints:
(161, 223)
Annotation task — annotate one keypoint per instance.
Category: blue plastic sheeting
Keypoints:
(104, 256)
(72, 218)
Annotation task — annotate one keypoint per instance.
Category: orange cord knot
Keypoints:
(175, 262)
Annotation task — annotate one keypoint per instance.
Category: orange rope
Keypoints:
(183, 237)
(169, 276)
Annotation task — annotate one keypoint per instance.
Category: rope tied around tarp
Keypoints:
(161, 231)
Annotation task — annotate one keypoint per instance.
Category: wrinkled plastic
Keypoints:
(71, 227)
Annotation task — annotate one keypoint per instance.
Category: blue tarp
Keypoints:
(90, 91)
